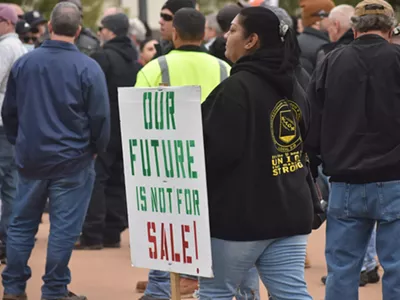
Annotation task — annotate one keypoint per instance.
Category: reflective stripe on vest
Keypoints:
(162, 61)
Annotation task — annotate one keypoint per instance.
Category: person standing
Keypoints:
(56, 113)
(355, 109)
(166, 17)
(11, 48)
(187, 64)
(254, 123)
(314, 35)
(107, 213)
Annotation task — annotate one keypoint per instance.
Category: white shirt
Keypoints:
(11, 48)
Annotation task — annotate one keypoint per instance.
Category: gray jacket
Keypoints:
(11, 48)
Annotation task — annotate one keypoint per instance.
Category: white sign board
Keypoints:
(162, 142)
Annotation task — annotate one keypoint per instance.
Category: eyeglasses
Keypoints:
(100, 28)
(30, 38)
(166, 17)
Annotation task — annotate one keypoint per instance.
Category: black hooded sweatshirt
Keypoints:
(118, 60)
(256, 176)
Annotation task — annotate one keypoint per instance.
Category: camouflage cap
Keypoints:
(374, 7)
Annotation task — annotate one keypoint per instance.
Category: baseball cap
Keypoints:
(34, 18)
(118, 24)
(8, 13)
(315, 10)
(374, 7)
(22, 27)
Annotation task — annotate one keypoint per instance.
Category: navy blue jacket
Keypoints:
(56, 111)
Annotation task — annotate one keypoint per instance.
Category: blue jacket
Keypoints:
(56, 111)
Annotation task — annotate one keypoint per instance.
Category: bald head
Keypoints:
(112, 11)
(340, 18)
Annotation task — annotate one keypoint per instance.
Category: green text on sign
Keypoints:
(172, 159)
(159, 110)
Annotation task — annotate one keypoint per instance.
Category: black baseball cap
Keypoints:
(118, 24)
(34, 18)
(22, 27)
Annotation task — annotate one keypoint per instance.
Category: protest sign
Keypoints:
(164, 164)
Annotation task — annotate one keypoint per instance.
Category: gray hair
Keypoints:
(137, 29)
(280, 13)
(373, 22)
(212, 22)
(65, 19)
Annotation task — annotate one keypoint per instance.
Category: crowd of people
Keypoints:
(296, 112)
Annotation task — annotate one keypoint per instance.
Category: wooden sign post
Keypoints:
(175, 277)
(175, 286)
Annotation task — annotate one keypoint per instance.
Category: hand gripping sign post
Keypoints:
(162, 142)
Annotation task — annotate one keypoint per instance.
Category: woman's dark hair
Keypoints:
(271, 32)
(143, 43)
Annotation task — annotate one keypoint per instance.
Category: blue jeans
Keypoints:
(369, 262)
(69, 199)
(353, 211)
(8, 181)
(280, 264)
(159, 286)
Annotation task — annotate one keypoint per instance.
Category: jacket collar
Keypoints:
(192, 48)
(319, 34)
(8, 35)
(370, 38)
(59, 44)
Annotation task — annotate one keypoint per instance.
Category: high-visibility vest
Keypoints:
(181, 67)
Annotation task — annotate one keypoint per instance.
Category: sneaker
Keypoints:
(362, 282)
(82, 245)
(13, 297)
(371, 276)
(112, 245)
(71, 296)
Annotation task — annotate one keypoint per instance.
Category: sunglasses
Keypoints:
(30, 38)
(166, 17)
(100, 28)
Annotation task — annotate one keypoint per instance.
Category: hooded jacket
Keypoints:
(218, 48)
(118, 60)
(256, 176)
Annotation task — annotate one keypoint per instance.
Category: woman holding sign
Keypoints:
(260, 204)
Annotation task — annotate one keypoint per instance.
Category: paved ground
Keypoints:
(107, 274)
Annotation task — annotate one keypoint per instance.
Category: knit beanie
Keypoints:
(175, 5)
(315, 10)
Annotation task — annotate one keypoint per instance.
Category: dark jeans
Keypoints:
(107, 213)
(8, 180)
(69, 199)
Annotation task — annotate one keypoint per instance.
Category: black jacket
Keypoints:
(118, 59)
(218, 48)
(345, 39)
(87, 42)
(310, 42)
(355, 97)
(256, 181)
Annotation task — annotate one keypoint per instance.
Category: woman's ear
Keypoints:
(252, 41)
